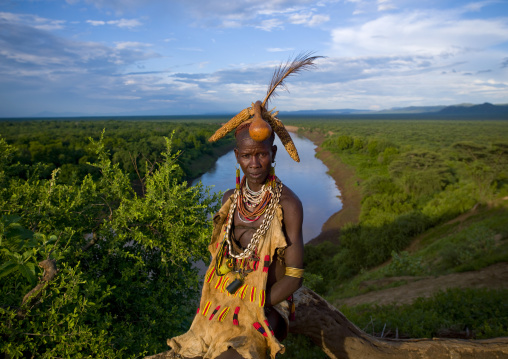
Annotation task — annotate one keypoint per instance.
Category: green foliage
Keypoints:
(301, 347)
(403, 264)
(313, 281)
(365, 246)
(464, 247)
(413, 175)
(421, 173)
(67, 321)
(482, 312)
(449, 203)
(40, 146)
(18, 249)
(319, 267)
(126, 280)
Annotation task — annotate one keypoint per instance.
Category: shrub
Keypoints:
(126, 280)
(468, 245)
(404, 264)
(482, 312)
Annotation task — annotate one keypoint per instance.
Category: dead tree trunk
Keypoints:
(328, 328)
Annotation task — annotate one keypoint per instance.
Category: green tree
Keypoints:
(114, 273)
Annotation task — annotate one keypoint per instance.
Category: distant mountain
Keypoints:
(483, 109)
(344, 111)
(486, 109)
(468, 110)
(413, 109)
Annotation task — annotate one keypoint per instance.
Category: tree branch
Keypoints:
(50, 271)
(328, 328)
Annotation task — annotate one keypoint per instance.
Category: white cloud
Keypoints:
(231, 24)
(279, 49)
(269, 25)
(131, 45)
(122, 23)
(161, 100)
(419, 33)
(318, 20)
(35, 21)
(308, 19)
(96, 22)
(299, 19)
(128, 23)
(384, 5)
(478, 5)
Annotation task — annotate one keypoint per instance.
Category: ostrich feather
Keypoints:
(303, 61)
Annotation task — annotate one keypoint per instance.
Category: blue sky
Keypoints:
(157, 57)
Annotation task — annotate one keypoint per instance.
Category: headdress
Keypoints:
(262, 122)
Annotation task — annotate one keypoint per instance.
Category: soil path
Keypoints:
(493, 277)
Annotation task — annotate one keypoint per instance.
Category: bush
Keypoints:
(482, 312)
(404, 264)
(301, 347)
(469, 245)
(126, 280)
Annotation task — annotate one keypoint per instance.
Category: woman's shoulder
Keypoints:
(227, 195)
(290, 201)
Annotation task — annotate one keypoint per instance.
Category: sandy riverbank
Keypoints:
(346, 181)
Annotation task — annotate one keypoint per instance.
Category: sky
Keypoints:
(171, 57)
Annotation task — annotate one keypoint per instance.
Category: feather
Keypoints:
(301, 62)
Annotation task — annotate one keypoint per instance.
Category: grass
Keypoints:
(476, 242)
(469, 313)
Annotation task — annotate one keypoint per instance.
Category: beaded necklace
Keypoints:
(252, 205)
(224, 262)
(276, 187)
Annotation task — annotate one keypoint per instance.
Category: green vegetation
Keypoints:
(135, 145)
(126, 280)
(471, 313)
(409, 185)
(416, 177)
(123, 227)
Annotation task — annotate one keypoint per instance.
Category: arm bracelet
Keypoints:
(294, 272)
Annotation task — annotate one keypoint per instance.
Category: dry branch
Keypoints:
(49, 266)
(339, 338)
(328, 328)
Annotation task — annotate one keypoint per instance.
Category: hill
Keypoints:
(486, 110)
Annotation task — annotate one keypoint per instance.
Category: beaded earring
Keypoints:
(237, 177)
(271, 175)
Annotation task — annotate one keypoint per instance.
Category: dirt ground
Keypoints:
(493, 277)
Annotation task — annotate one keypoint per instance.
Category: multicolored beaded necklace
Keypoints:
(252, 205)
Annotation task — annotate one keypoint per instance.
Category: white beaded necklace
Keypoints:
(251, 198)
(261, 230)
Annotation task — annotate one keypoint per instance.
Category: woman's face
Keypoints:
(255, 159)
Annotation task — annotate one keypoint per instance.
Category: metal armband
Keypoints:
(294, 272)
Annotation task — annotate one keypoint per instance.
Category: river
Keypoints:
(308, 179)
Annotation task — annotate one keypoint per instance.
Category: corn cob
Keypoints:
(283, 134)
(242, 116)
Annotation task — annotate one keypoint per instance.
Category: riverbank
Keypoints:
(347, 182)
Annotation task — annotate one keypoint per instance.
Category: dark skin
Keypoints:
(255, 160)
